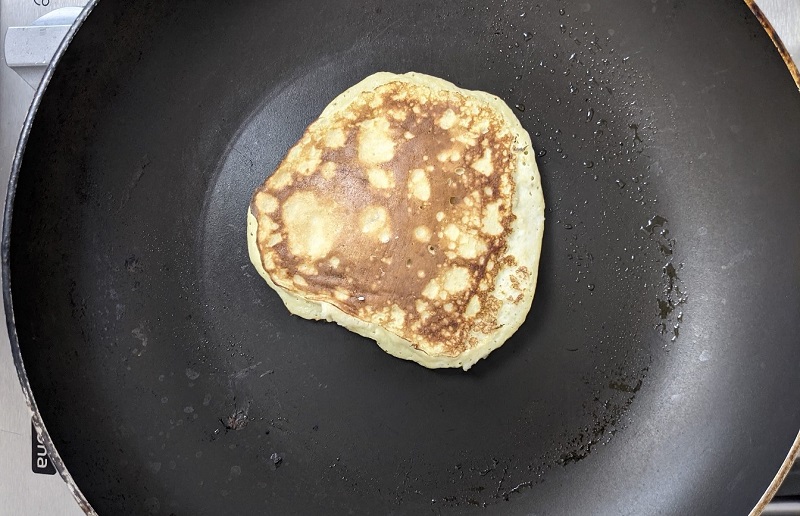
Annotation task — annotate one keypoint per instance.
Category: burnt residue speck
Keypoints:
(237, 420)
(276, 459)
(132, 264)
(624, 387)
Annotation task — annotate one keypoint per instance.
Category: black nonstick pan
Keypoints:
(658, 371)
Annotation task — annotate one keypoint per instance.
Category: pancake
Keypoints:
(410, 212)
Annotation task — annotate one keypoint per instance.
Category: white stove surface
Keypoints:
(22, 491)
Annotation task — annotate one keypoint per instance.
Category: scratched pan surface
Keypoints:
(663, 337)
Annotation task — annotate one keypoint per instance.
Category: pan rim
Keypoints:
(794, 451)
(780, 476)
(776, 40)
(5, 246)
(5, 251)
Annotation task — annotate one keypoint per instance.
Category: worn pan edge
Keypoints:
(779, 478)
(794, 451)
(5, 247)
(776, 40)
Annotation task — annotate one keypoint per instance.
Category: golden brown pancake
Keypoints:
(410, 212)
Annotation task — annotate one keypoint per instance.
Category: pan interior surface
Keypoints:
(663, 334)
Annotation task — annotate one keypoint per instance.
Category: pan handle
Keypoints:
(29, 50)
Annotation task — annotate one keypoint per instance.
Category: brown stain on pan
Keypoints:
(787, 58)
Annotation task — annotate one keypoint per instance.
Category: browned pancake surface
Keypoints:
(396, 211)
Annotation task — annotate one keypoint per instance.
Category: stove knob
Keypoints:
(28, 50)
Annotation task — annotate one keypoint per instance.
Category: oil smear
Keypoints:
(672, 295)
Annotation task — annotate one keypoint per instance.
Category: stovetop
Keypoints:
(30, 31)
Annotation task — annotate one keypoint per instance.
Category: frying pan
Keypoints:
(657, 371)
